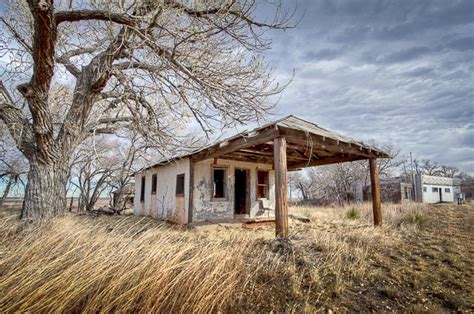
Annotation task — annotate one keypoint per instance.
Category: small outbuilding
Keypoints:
(435, 189)
(245, 176)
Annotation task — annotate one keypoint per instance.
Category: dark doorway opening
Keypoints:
(440, 195)
(241, 188)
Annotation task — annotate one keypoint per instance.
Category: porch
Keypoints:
(286, 145)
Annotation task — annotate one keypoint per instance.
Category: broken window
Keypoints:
(447, 190)
(435, 190)
(180, 185)
(262, 184)
(153, 184)
(219, 178)
(425, 189)
(142, 190)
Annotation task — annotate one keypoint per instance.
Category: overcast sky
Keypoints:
(399, 72)
(394, 71)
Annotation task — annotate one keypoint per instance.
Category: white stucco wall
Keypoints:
(426, 182)
(204, 208)
(163, 204)
(433, 197)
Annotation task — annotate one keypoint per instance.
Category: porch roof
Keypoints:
(308, 145)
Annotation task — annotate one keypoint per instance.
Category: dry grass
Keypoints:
(76, 263)
(128, 264)
(393, 214)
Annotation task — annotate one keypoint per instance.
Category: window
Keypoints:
(180, 185)
(406, 192)
(447, 190)
(219, 179)
(425, 189)
(435, 190)
(153, 184)
(262, 184)
(142, 190)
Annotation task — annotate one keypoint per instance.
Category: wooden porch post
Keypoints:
(281, 187)
(375, 184)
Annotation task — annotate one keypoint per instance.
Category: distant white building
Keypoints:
(433, 189)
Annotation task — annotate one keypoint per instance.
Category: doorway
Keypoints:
(440, 195)
(241, 192)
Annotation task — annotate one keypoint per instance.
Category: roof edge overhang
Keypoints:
(333, 148)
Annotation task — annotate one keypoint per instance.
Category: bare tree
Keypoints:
(94, 165)
(430, 168)
(132, 157)
(449, 171)
(303, 184)
(13, 166)
(340, 182)
(151, 66)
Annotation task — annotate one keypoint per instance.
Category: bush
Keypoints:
(353, 213)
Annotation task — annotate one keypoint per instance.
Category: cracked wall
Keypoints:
(205, 208)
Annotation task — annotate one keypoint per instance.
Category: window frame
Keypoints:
(267, 185)
(225, 179)
(447, 190)
(178, 178)
(425, 189)
(142, 189)
(154, 183)
(434, 190)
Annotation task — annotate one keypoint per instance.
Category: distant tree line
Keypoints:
(340, 183)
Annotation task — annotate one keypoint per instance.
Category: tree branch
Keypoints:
(17, 36)
(16, 122)
(82, 15)
(223, 10)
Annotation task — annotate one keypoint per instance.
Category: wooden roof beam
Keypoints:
(247, 159)
(325, 161)
(329, 144)
(239, 142)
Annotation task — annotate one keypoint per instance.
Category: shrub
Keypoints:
(353, 213)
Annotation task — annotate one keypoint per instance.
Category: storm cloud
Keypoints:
(399, 72)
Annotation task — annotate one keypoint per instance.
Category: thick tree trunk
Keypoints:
(45, 194)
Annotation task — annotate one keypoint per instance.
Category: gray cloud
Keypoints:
(462, 44)
(405, 55)
(396, 71)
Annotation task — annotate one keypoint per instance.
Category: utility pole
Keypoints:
(413, 183)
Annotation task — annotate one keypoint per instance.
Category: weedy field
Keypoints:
(421, 260)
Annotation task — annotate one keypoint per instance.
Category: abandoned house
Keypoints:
(420, 188)
(245, 176)
(394, 190)
(434, 189)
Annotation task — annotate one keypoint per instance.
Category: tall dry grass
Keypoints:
(77, 264)
(393, 214)
(128, 264)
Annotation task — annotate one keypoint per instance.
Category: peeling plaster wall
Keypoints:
(163, 204)
(204, 208)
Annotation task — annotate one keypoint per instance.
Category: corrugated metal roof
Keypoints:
(436, 180)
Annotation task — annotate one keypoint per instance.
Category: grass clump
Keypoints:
(413, 217)
(353, 213)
